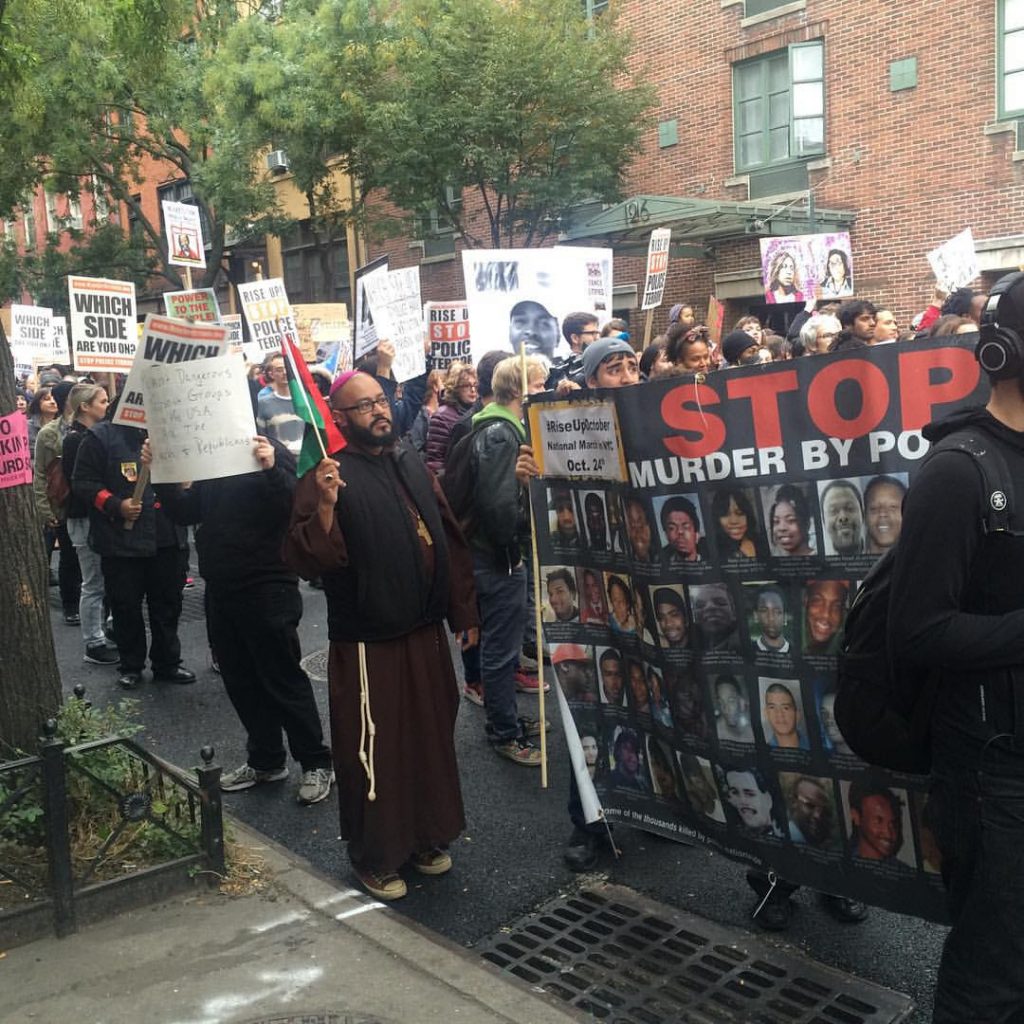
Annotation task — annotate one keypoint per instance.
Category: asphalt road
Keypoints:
(509, 859)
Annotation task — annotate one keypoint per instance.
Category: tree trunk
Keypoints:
(30, 688)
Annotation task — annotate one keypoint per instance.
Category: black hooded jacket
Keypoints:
(957, 599)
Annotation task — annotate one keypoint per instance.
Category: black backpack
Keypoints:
(883, 708)
(459, 482)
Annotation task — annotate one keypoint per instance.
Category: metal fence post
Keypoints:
(212, 815)
(55, 820)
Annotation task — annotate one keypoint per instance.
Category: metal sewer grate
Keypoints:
(626, 960)
(315, 665)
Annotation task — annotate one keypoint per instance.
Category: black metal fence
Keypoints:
(91, 828)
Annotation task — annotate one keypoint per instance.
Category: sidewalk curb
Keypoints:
(416, 947)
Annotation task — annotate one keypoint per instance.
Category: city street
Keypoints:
(509, 860)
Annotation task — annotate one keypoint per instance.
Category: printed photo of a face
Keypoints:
(791, 530)
(732, 709)
(591, 750)
(574, 670)
(878, 819)
(883, 511)
(612, 671)
(531, 323)
(642, 541)
(593, 608)
(628, 766)
(825, 603)
(782, 718)
(561, 599)
(663, 780)
(811, 810)
(562, 521)
(672, 616)
(657, 694)
(842, 517)
(768, 617)
(737, 530)
(596, 520)
(622, 618)
(687, 697)
(750, 797)
(639, 698)
(698, 775)
(714, 617)
(681, 529)
(832, 740)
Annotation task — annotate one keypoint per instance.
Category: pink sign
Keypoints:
(15, 458)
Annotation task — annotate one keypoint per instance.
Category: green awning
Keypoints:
(698, 223)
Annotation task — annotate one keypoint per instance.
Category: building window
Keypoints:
(28, 215)
(52, 220)
(303, 268)
(136, 232)
(1011, 58)
(594, 8)
(435, 231)
(74, 216)
(779, 106)
(100, 201)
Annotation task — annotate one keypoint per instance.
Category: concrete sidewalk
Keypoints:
(311, 951)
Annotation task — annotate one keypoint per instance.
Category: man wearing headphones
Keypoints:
(957, 609)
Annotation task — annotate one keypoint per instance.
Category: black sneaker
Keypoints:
(130, 680)
(101, 654)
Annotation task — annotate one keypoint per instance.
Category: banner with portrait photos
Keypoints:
(700, 543)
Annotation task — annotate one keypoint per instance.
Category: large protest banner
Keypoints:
(269, 316)
(791, 268)
(700, 543)
(166, 341)
(198, 304)
(398, 313)
(448, 330)
(200, 421)
(519, 296)
(103, 328)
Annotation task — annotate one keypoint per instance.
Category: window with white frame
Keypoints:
(28, 216)
(1011, 58)
(779, 107)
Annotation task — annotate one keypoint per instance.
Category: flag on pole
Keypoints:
(321, 437)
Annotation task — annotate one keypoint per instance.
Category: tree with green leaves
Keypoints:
(493, 119)
(96, 94)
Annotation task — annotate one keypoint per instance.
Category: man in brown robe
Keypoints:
(373, 524)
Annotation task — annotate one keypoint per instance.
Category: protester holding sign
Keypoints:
(144, 556)
(393, 691)
(253, 611)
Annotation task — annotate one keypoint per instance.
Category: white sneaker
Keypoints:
(245, 777)
(315, 785)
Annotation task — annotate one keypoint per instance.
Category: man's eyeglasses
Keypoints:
(366, 405)
(594, 332)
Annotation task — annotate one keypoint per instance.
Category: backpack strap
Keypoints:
(996, 481)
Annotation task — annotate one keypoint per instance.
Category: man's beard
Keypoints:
(365, 436)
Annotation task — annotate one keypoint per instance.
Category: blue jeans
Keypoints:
(501, 596)
(977, 807)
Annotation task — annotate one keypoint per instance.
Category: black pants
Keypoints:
(598, 828)
(978, 810)
(254, 635)
(159, 580)
(69, 573)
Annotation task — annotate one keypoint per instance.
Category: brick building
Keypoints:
(898, 122)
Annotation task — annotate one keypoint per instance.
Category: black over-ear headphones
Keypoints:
(1000, 349)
